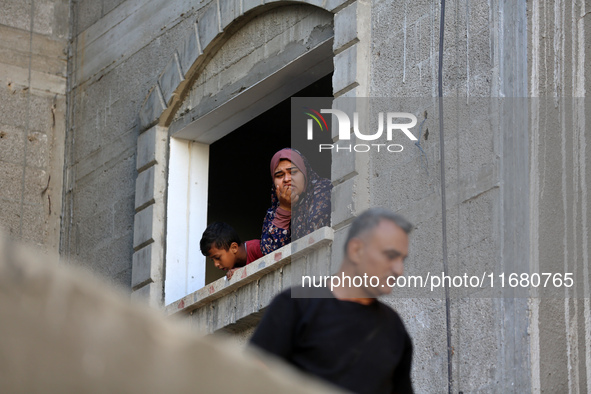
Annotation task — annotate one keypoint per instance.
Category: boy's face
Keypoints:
(222, 258)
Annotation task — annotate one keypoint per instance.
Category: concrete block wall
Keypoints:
(147, 274)
(495, 206)
(559, 79)
(119, 49)
(32, 118)
(488, 336)
(352, 48)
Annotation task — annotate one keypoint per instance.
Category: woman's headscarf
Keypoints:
(291, 155)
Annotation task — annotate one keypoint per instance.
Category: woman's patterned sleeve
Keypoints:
(273, 237)
(321, 209)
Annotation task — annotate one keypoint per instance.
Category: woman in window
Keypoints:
(300, 201)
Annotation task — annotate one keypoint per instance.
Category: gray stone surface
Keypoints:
(147, 265)
(244, 59)
(144, 188)
(120, 148)
(152, 108)
(170, 79)
(150, 148)
(249, 5)
(50, 17)
(223, 312)
(345, 26)
(318, 264)
(343, 202)
(246, 301)
(268, 286)
(425, 321)
(343, 161)
(208, 25)
(485, 177)
(335, 5)
(14, 108)
(229, 12)
(150, 294)
(113, 180)
(113, 260)
(345, 73)
(110, 5)
(190, 50)
(100, 123)
(147, 225)
(88, 12)
(32, 119)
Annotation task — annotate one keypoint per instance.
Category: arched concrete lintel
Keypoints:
(215, 25)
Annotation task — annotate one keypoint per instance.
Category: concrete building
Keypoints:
(116, 115)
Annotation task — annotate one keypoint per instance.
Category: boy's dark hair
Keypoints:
(219, 235)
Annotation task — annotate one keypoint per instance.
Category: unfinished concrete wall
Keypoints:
(405, 58)
(256, 50)
(496, 211)
(559, 79)
(32, 118)
(117, 55)
(516, 195)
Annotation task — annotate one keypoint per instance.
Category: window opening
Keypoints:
(239, 177)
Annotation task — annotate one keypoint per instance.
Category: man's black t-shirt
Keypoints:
(362, 348)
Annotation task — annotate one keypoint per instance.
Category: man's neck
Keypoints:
(352, 293)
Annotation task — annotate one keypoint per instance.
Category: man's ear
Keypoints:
(234, 247)
(355, 250)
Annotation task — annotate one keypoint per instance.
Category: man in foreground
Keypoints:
(346, 336)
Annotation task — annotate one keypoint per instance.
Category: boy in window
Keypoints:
(221, 243)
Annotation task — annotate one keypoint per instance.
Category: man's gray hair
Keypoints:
(370, 219)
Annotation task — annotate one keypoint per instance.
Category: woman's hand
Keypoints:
(287, 197)
(289, 184)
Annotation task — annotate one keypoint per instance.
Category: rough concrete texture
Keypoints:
(101, 162)
(149, 221)
(65, 331)
(406, 48)
(494, 210)
(486, 336)
(558, 66)
(32, 118)
(561, 241)
(264, 45)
